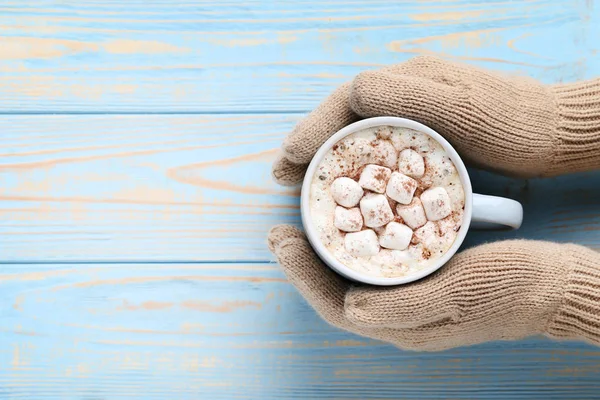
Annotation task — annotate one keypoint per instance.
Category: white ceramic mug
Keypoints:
(481, 211)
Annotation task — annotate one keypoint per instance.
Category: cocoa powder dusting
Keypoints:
(438, 228)
(423, 185)
(426, 253)
(414, 239)
(356, 175)
(408, 186)
(384, 132)
(380, 176)
(393, 203)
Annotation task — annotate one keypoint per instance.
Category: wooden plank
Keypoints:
(185, 188)
(157, 187)
(231, 331)
(247, 56)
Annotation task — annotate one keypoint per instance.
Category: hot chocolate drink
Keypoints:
(387, 201)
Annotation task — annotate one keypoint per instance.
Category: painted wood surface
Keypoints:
(141, 187)
(248, 56)
(236, 331)
(135, 196)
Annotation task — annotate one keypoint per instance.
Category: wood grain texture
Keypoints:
(234, 331)
(141, 187)
(133, 261)
(232, 56)
(189, 188)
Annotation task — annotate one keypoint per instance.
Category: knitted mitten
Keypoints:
(512, 125)
(501, 291)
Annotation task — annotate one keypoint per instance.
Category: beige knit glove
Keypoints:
(509, 124)
(500, 291)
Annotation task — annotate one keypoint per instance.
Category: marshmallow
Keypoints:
(346, 192)
(374, 177)
(411, 163)
(436, 203)
(401, 188)
(396, 236)
(362, 244)
(384, 153)
(427, 234)
(413, 214)
(433, 241)
(384, 132)
(376, 210)
(348, 220)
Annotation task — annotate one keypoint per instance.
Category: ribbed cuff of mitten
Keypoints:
(578, 316)
(578, 132)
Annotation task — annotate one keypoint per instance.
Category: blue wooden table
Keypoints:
(135, 195)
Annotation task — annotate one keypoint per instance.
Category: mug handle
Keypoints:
(492, 212)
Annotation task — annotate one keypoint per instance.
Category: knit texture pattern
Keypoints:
(501, 291)
(578, 316)
(578, 130)
(512, 125)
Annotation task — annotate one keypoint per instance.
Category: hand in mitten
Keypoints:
(512, 125)
(506, 290)
(501, 291)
